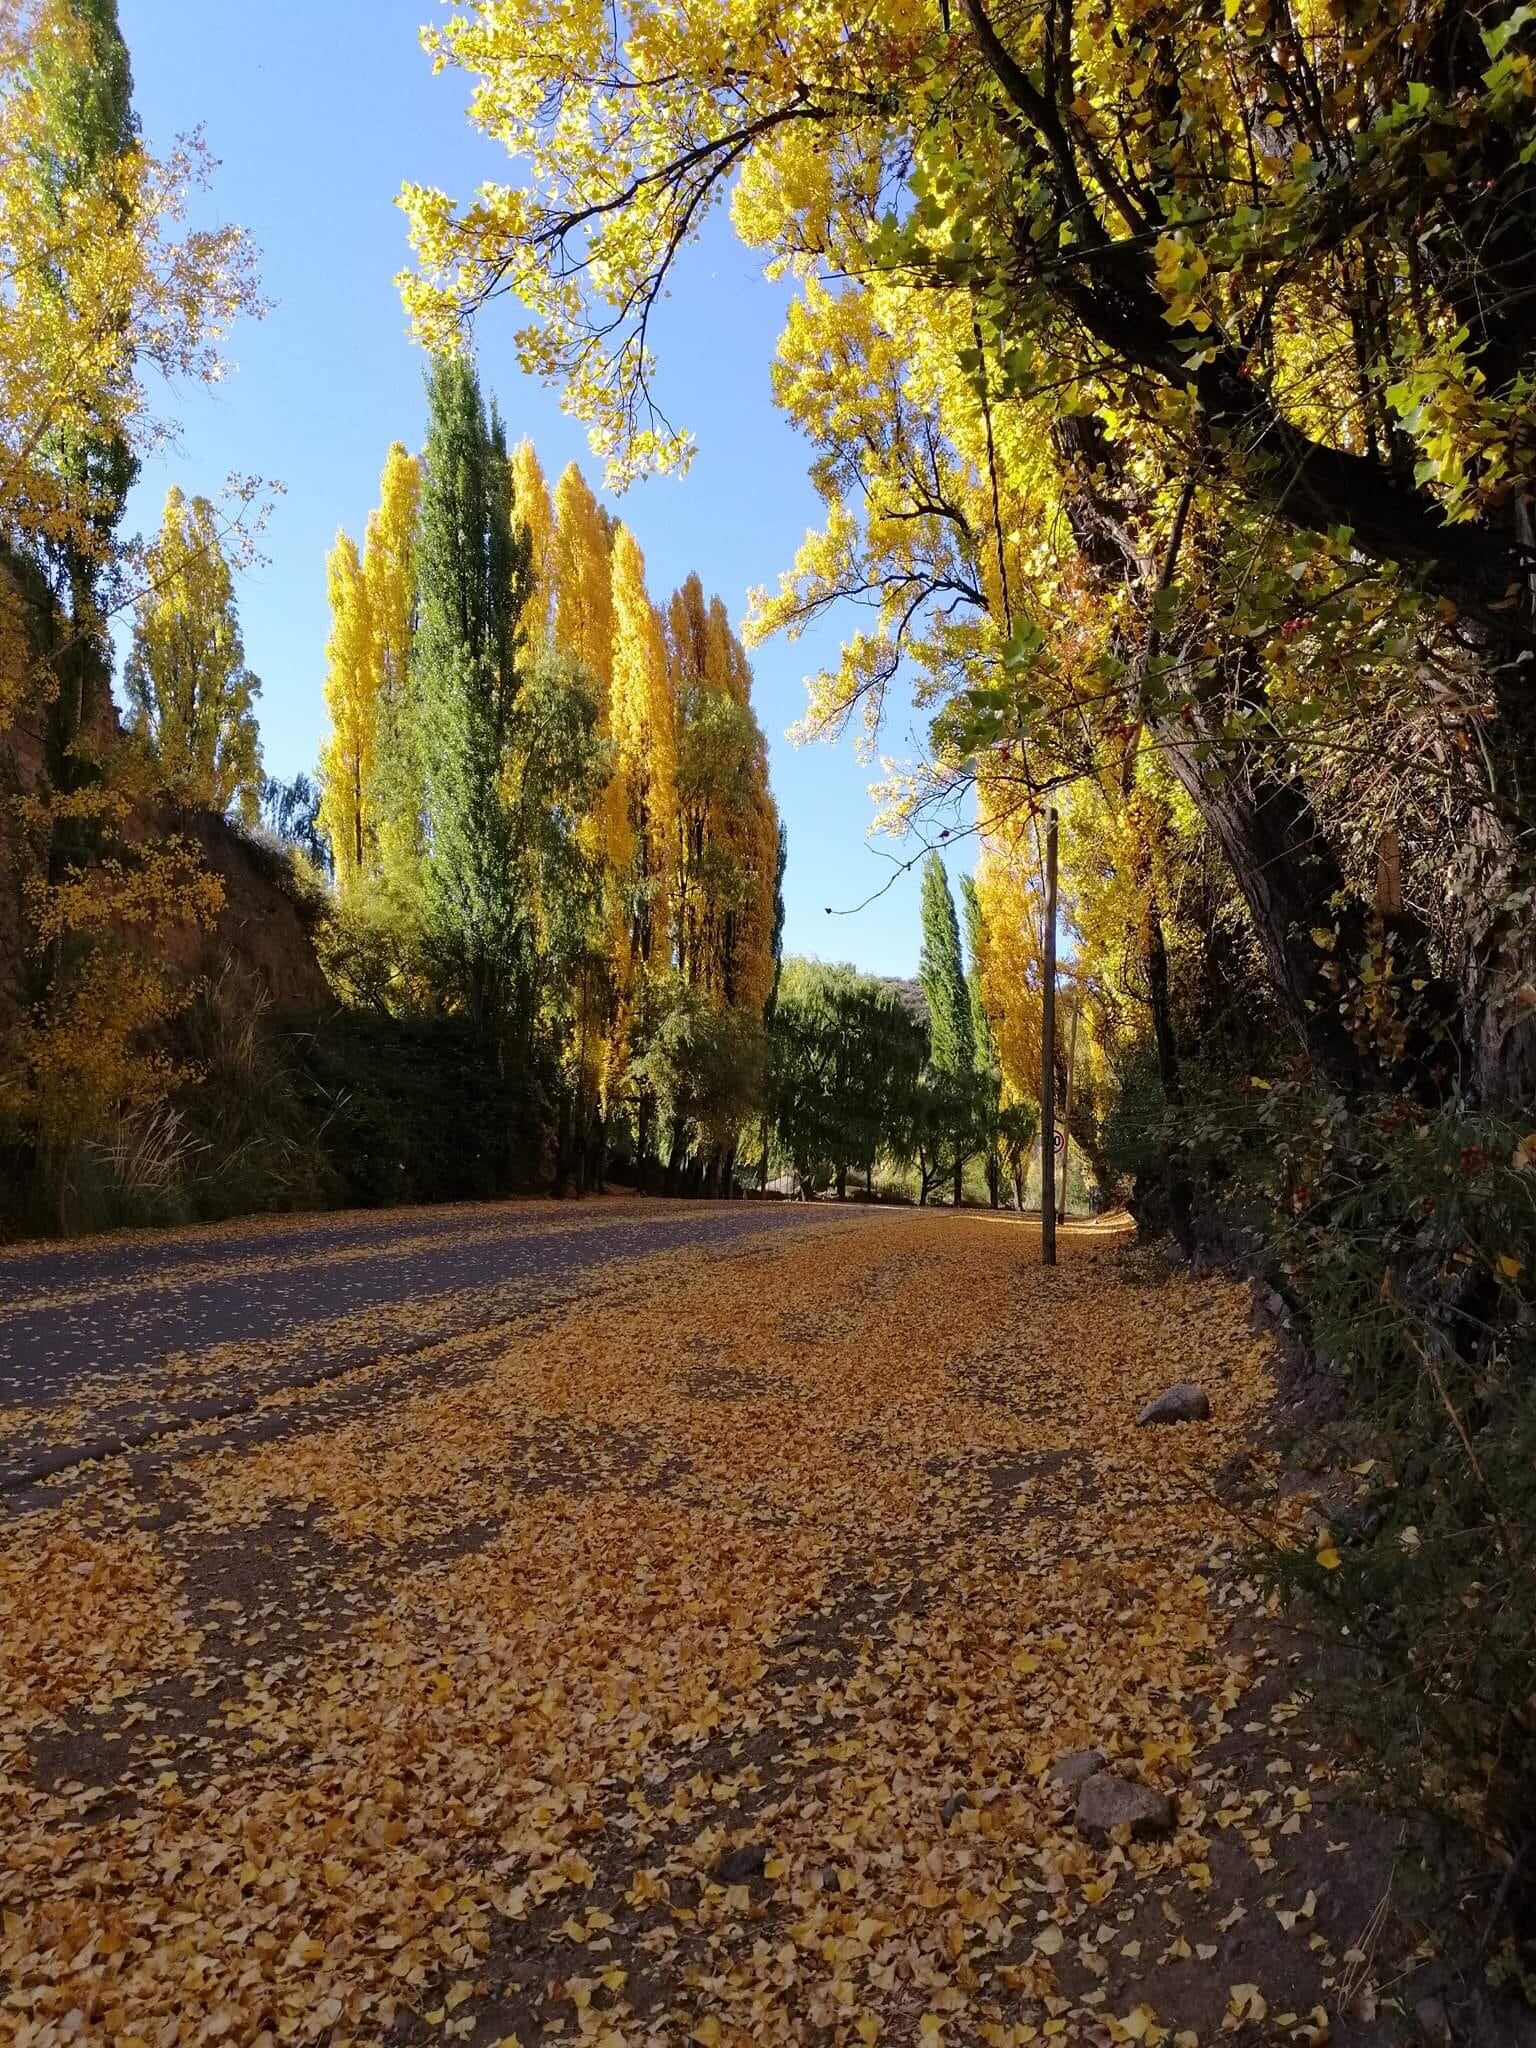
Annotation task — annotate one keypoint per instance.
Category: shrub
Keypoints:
(1405, 1239)
(255, 1144)
(413, 1110)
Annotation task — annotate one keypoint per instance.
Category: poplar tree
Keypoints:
(351, 698)
(473, 577)
(598, 866)
(84, 81)
(727, 825)
(989, 1079)
(643, 719)
(394, 794)
(941, 970)
(570, 615)
(576, 606)
(581, 587)
(536, 515)
(190, 694)
(951, 1035)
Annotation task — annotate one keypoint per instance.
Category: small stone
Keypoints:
(736, 1866)
(1433, 2023)
(1183, 1403)
(1071, 1771)
(956, 1804)
(1107, 1802)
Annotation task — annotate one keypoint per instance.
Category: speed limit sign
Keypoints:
(1059, 1144)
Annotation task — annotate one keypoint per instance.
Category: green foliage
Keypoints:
(952, 1115)
(984, 1052)
(996, 1128)
(473, 581)
(85, 81)
(376, 953)
(412, 1109)
(551, 782)
(846, 1056)
(704, 1068)
(939, 1135)
(290, 811)
(1403, 1237)
(777, 940)
(1137, 1130)
(951, 1033)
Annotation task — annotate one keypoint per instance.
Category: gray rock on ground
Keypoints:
(1071, 1771)
(1182, 1403)
(740, 1865)
(1106, 1802)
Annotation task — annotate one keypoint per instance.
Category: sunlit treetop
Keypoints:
(102, 282)
(191, 696)
(1214, 219)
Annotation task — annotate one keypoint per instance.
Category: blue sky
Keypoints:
(317, 115)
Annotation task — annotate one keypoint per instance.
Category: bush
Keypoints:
(1405, 1240)
(351, 1108)
(413, 1110)
(375, 954)
(252, 1140)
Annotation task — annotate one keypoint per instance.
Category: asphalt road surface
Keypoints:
(119, 1344)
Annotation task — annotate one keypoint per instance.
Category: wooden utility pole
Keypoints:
(1066, 1114)
(1048, 1056)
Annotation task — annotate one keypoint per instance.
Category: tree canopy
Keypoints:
(1168, 378)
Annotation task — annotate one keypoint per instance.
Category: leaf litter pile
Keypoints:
(703, 1662)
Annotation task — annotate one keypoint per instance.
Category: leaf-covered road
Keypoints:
(676, 1652)
(113, 1343)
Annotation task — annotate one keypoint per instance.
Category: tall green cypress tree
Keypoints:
(781, 862)
(473, 571)
(951, 1035)
(941, 970)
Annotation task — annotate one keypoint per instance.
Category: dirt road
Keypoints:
(642, 1625)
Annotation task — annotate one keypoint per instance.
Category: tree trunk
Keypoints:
(1275, 845)
(675, 1157)
(1180, 1197)
(1162, 1006)
(562, 1147)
